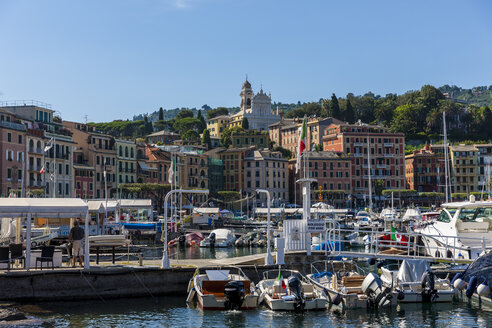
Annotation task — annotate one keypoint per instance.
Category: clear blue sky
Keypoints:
(113, 59)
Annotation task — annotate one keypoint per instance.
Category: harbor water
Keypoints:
(172, 312)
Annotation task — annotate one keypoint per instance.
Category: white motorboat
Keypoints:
(363, 219)
(221, 290)
(463, 230)
(219, 238)
(412, 214)
(351, 288)
(289, 290)
(415, 282)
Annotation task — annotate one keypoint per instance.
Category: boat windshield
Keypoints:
(478, 214)
(444, 217)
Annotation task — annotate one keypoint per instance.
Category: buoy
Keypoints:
(471, 286)
(483, 289)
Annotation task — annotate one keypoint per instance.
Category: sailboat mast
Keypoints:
(369, 171)
(446, 168)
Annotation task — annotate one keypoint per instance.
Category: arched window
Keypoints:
(38, 146)
(126, 151)
(202, 185)
(202, 174)
(31, 146)
(120, 151)
(131, 153)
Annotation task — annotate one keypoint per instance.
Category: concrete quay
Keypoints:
(106, 281)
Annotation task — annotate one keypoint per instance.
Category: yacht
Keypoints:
(463, 230)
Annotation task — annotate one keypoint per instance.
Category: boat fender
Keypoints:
(483, 289)
(261, 298)
(472, 284)
(459, 284)
(191, 296)
(456, 276)
(400, 296)
(371, 261)
(381, 264)
(337, 299)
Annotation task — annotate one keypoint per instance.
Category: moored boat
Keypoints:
(289, 290)
(416, 283)
(222, 290)
(219, 238)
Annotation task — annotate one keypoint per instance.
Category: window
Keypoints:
(9, 137)
(20, 139)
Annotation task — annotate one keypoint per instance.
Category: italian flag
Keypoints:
(395, 236)
(280, 278)
(42, 170)
(301, 146)
(170, 172)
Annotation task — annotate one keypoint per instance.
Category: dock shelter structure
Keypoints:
(48, 208)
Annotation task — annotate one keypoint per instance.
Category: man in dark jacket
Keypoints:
(76, 236)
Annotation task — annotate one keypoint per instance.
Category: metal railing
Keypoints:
(417, 245)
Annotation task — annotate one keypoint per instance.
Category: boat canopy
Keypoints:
(99, 205)
(43, 207)
(412, 270)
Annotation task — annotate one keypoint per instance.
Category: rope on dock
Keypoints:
(141, 282)
(95, 291)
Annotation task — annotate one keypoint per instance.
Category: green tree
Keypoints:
(191, 135)
(245, 123)
(154, 191)
(318, 147)
(307, 109)
(161, 114)
(217, 112)
(335, 107)
(405, 119)
(285, 152)
(206, 141)
(226, 136)
(185, 124)
(349, 114)
(184, 113)
(203, 124)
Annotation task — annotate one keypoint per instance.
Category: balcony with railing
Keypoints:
(358, 144)
(388, 144)
(381, 166)
(389, 155)
(13, 126)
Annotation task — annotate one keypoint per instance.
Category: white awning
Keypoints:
(43, 207)
(135, 203)
(274, 210)
(100, 205)
(206, 210)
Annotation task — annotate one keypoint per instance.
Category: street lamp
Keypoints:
(268, 258)
(165, 257)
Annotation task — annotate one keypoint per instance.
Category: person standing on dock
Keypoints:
(76, 236)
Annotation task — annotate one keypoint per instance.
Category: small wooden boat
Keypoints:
(289, 290)
(350, 287)
(221, 290)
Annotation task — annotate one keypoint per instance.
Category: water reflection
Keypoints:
(172, 312)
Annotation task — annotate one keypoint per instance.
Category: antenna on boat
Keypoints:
(446, 164)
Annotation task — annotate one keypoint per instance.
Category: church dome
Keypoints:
(246, 85)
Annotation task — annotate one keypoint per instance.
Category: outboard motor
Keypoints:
(378, 295)
(212, 239)
(181, 240)
(234, 293)
(295, 286)
(429, 293)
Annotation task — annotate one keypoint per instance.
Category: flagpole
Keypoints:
(54, 167)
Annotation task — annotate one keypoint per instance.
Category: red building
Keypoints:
(333, 172)
(369, 146)
(424, 170)
(83, 175)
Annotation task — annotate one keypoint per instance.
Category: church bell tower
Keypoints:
(246, 96)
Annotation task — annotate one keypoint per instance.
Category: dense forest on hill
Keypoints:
(418, 114)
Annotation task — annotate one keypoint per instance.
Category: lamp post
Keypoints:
(165, 257)
(268, 258)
